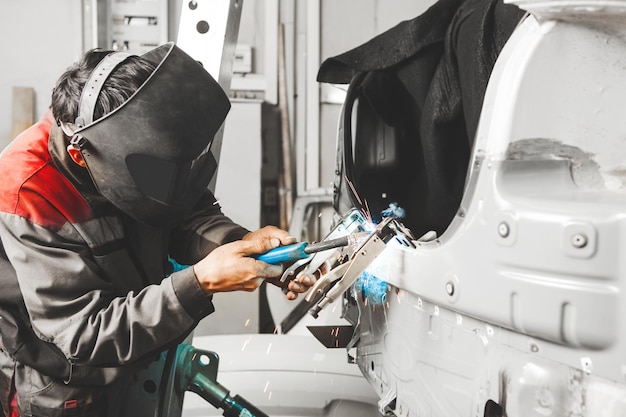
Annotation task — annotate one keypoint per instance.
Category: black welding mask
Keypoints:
(151, 156)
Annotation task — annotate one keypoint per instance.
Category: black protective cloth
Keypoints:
(422, 85)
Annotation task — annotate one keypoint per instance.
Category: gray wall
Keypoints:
(40, 39)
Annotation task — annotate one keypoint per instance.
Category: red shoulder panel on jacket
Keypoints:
(31, 185)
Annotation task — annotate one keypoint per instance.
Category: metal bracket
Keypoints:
(208, 32)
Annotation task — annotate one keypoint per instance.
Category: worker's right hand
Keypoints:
(231, 266)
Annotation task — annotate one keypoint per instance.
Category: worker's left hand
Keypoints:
(296, 286)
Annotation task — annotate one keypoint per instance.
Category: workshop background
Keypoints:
(42, 38)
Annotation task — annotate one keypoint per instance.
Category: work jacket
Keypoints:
(87, 292)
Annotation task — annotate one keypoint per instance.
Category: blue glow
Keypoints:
(373, 288)
(394, 211)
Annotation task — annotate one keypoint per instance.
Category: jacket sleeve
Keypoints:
(75, 308)
(203, 230)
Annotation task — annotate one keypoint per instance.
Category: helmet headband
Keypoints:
(93, 87)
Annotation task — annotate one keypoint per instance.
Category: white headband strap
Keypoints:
(94, 85)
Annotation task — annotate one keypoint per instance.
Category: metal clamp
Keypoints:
(346, 274)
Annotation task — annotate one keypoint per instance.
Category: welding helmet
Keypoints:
(151, 156)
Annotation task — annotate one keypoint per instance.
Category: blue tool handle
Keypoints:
(282, 254)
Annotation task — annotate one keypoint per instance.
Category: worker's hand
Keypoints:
(231, 267)
(304, 281)
(296, 286)
(271, 232)
(299, 285)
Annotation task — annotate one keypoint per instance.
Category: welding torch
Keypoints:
(303, 250)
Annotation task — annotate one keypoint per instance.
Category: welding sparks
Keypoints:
(245, 344)
(365, 210)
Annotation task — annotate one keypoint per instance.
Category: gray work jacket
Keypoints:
(92, 281)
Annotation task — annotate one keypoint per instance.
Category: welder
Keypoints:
(95, 199)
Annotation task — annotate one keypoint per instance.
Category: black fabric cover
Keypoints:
(424, 80)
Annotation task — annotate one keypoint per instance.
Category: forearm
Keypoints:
(129, 328)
